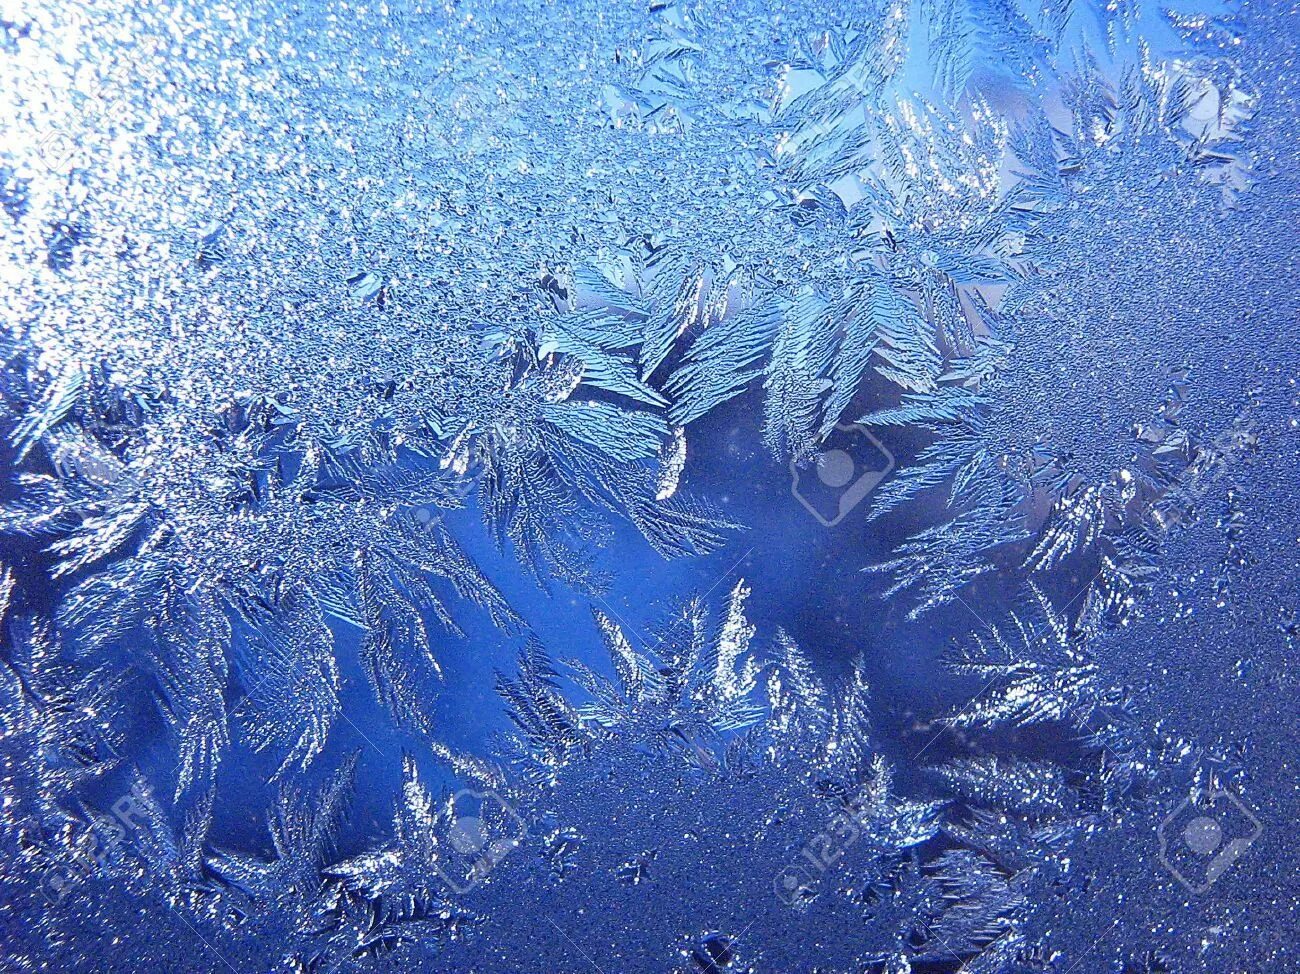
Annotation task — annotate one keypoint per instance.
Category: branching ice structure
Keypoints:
(287, 290)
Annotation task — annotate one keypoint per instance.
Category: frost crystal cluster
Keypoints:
(392, 400)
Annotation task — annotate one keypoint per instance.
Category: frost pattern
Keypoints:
(238, 429)
(959, 254)
(300, 286)
(1003, 458)
(699, 726)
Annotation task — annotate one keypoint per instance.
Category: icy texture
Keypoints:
(252, 421)
(1084, 474)
(296, 296)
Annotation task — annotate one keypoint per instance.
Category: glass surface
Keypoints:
(624, 487)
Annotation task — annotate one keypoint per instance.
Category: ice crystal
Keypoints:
(1045, 481)
(240, 421)
(708, 730)
(293, 295)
